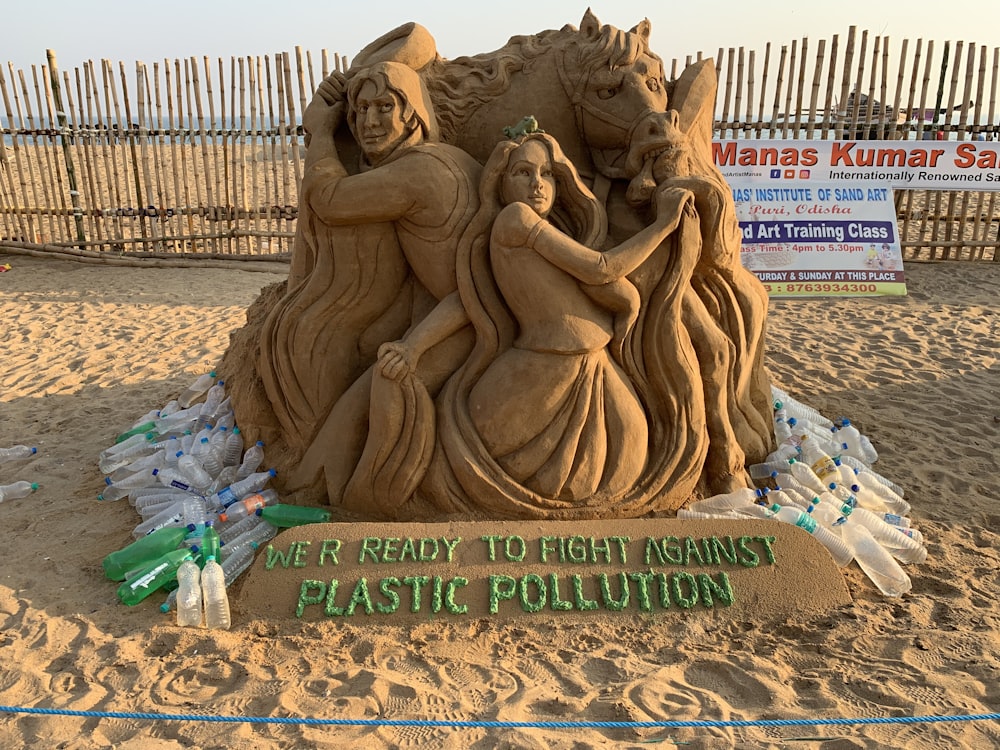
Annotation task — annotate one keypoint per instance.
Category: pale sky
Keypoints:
(129, 31)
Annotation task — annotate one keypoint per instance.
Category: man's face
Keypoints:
(380, 126)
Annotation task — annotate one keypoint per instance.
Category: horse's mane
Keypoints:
(459, 87)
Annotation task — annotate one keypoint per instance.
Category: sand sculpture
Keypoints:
(515, 290)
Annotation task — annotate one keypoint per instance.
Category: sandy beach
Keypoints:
(89, 348)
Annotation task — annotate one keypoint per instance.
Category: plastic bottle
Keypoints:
(145, 463)
(17, 490)
(117, 490)
(233, 449)
(869, 476)
(286, 516)
(213, 583)
(143, 551)
(230, 531)
(189, 608)
(252, 460)
(249, 505)
(237, 562)
(187, 512)
(173, 477)
(109, 460)
(239, 489)
(256, 536)
(152, 576)
(210, 542)
(209, 457)
(16, 452)
(767, 469)
(804, 476)
(191, 467)
(212, 400)
(875, 561)
(190, 394)
(901, 546)
(797, 517)
(797, 409)
(820, 462)
(690, 514)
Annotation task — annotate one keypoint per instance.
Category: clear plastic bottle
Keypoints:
(142, 551)
(17, 490)
(230, 531)
(226, 477)
(209, 457)
(797, 409)
(804, 476)
(240, 489)
(129, 451)
(875, 561)
(867, 475)
(797, 517)
(117, 490)
(212, 400)
(189, 606)
(190, 467)
(152, 576)
(213, 583)
(200, 386)
(252, 460)
(248, 505)
(233, 449)
(901, 546)
(767, 469)
(190, 511)
(238, 561)
(16, 452)
(256, 536)
(146, 463)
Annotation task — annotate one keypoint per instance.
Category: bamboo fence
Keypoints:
(203, 157)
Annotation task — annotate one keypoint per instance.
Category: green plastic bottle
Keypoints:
(153, 577)
(285, 516)
(210, 544)
(142, 551)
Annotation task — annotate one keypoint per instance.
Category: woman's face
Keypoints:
(529, 178)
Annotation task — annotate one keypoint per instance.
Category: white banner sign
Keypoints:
(820, 239)
(935, 165)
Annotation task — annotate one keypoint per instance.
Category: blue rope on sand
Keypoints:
(502, 724)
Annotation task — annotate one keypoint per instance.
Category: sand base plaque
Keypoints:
(387, 573)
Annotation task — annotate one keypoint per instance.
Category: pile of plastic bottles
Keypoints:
(820, 479)
(202, 501)
(21, 488)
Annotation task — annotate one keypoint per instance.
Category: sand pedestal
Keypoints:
(660, 569)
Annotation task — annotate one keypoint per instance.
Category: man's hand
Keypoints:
(326, 110)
